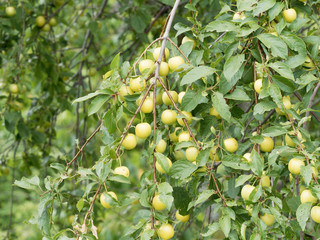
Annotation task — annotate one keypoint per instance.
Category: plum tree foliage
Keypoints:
(204, 126)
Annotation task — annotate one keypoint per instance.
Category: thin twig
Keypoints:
(179, 50)
(311, 102)
(83, 146)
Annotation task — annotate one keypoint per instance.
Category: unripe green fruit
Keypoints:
(268, 219)
(40, 21)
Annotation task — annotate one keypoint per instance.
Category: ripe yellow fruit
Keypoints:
(258, 85)
(53, 22)
(192, 153)
(46, 28)
(175, 62)
(289, 141)
(147, 106)
(124, 91)
(124, 171)
(158, 98)
(286, 102)
(213, 112)
(156, 53)
(40, 21)
(169, 117)
(137, 84)
(315, 214)
(289, 15)
(166, 100)
(173, 136)
(307, 196)
(146, 64)
(315, 172)
(268, 219)
(247, 156)
(294, 165)
(246, 191)
(231, 144)
(180, 96)
(178, 155)
(106, 203)
(143, 130)
(13, 88)
(308, 63)
(157, 204)
(182, 218)
(10, 11)
(129, 142)
(160, 169)
(164, 69)
(187, 116)
(249, 209)
(265, 181)
(165, 231)
(267, 144)
(238, 16)
(213, 154)
(186, 39)
(161, 146)
(184, 137)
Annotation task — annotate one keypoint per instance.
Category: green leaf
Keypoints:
(191, 100)
(181, 200)
(257, 163)
(203, 157)
(303, 213)
(165, 188)
(80, 204)
(181, 28)
(245, 5)
(203, 196)
(235, 162)
(225, 224)
(284, 84)
(103, 170)
(275, 94)
(274, 131)
(212, 228)
(167, 200)
(238, 94)
(221, 106)
(242, 179)
(283, 69)
(119, 178)
(263, 107)
(163, 161)
(110, 121)
(275, 10)
(263, 6)
(115, 62)
(182, 169)
(277, 46)
(232, 65)
(91, 95)
(96, 104)
(195, 74)
(306, 173)
(221, 26)
(28, 183)
(147, 234)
